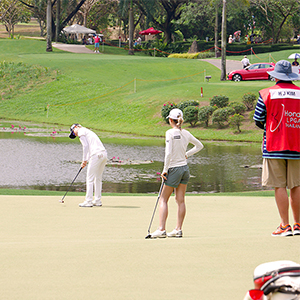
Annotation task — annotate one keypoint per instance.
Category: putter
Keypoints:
(149, 234)
(62, 200)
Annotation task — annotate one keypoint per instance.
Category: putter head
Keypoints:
(148, 236)
(61, 201)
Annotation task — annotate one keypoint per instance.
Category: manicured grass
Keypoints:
(60, 251)
(100, 91)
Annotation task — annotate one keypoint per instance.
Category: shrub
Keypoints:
(165, 110)
(235, 121)
(249, 100)
(239, 108)
(184, 104)
(221, 115)
(205, 113)
(251, 115)
(190, 114)
(219, 101)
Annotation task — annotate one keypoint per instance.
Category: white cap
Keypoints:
(175, 114)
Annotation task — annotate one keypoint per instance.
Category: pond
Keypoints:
(40, 157)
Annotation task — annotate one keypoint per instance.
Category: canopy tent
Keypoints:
(150, 31)
(75, 28)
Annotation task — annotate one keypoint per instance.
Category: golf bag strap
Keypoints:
(268, 288)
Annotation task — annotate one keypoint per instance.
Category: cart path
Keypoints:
(72, 48)
(230, 64)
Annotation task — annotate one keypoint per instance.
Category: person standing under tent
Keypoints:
(278, 113)
(175, 174)
(94, 153)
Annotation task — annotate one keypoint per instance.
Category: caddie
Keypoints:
(278, 113)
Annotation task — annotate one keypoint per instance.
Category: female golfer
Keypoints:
(175, 173)
(94, 153)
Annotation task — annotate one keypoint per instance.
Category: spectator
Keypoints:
(245, 61)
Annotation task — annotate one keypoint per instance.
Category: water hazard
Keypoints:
(47, 159)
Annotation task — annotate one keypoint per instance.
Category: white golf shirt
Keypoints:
(91, 144)
(176, 144)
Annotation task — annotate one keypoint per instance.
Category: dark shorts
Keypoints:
(178, 175)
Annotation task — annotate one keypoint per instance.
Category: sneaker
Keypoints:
(97, 203)
(175, 233)
(296, 229)
(86, 204)
(283, 231)
(158, 234)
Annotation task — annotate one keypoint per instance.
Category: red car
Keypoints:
(253, 72)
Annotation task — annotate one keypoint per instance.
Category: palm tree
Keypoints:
(49, 27)
(223, 42)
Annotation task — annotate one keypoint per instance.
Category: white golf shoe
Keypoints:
(158, 234)
(97, 203)
(86, 204)
(175, 233)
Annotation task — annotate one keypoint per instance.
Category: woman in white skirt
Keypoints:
(94, 153)
(175, 173)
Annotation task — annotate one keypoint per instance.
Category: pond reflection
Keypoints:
(51, 163)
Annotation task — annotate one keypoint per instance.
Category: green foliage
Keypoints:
(190, 114)
(165, 110)
(235, 121)
(204, 114)
(221, 115)
(238, 107)
(251, 115)
(219, 101)
(249, 100)
(182, 105)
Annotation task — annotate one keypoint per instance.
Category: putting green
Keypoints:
(60, 251)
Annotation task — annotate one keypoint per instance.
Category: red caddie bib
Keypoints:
(283, 117)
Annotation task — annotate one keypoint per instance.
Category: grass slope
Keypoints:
(99, 90)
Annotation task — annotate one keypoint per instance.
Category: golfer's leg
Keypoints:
(163, 206)
(98, 178)
(295, 203)
(90, 177)
(179, 197)
(282, 201)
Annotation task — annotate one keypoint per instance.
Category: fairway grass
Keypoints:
(60, 251)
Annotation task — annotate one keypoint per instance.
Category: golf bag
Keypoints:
(278, 280)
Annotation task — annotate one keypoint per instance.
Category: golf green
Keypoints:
(51, 250)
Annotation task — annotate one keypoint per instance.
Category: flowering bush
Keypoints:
(190, 114)
(184, 104)
(221, 115)
(249, 100)
(165, 110)
(219, 101)
(205, 113)
(235, 121)
(239, 108)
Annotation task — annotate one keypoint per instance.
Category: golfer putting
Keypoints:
(175, 174)
(95, 155)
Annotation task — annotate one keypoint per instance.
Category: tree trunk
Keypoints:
(131, 28)
(223, 46)
(57, 29)
(49, 26)
(216, 30)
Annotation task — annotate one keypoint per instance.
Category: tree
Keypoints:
(49, 27)
(223, 42)
(12, 12)
(276, 14)
(162, 14)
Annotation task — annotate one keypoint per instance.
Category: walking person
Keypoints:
(95, 155)
(278, 113)
(175, 173)
(245, 61)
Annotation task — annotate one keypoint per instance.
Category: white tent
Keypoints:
(75, 28)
